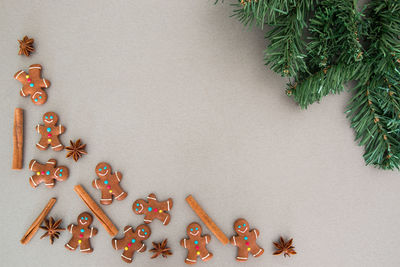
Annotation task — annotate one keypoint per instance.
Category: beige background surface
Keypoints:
(174, 94)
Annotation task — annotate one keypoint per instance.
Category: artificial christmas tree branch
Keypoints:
(344, 44)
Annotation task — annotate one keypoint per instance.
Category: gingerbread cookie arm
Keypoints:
(70, 227)
(207, 239)
(233, 240)
(44, 84)
(118, 176)
(183, 242)
(152, 199)
(142, 248)
(51, 162)
(255, 232)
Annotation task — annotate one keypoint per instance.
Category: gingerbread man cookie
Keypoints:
(47, 173)
(132, 241)
(50, 132)
(81, 233)
(245, 240)
(108, 184)
(196, 244)
(153, 209)
(32, 84)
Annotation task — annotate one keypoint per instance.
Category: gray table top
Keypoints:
(175, 95)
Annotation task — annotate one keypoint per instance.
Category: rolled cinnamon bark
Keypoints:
(18, 139)
(35, 225)
(207, 220)
(97, 211)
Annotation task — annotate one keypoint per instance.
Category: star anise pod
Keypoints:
(52, 229)
(160, 249)
(26, 46)
(284, 247)
(76, 150)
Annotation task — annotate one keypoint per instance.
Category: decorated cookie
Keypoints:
(245, 240)
(47, 173)
(50, 132)
(132, 241)
(108, 184)
(196, 244)
(32, 84)
(81, 233)
(153, 209)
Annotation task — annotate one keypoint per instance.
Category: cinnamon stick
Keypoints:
(18, 138)
(207, 220)
(97, 211)
(35, 225)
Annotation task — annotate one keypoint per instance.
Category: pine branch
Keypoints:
(334, 52)
(285, 53)
(375, 109)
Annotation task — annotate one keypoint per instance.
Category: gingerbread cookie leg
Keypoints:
(127, 255)
(191, 257)
(164, 217)
(34, 181)
(56, 144)
(167, 205)
(256, 251)
(118, 193)
(205, 255)
(85, 246)
(106, 198)
(72, 244)
(43, 144)
(242, 254)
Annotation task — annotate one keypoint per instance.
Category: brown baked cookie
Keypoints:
(32, 84)
(108, 184)
(47, 173)
(196, 244)
(153, 209)
(132, 241)
(50, 132)
(245, 240)
(81, 233)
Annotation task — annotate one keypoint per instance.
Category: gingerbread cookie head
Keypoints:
(84, 219)
(50, 118)
(143, 231)
(61, 173)
(138, 206)
(103, 169)
(241, 227)
(194, 230)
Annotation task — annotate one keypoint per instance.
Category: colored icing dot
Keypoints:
(38, 173)
(27, 76)
(244, 225)
(155, 209)
(80, 236)
(79, 241)
(40, 97)
(49, 140)
(51, 117)
(42, 173)
(61, 170)
(82, 230)
(160, 211)
(99, 170)
(137, 209)
(105, 168)
(81, 218)
(106, 182)
(48, 129)
(248, 249)
(245, 238)
(108, 187)
(198, 252)
(60, 175)
(133, 240)
(247, 243)
(36, 100)
(129, 244)
(137, 204)
(31, 85)
(49, 135)
(126, 248)
(110, 191)
(197, 247)
(145, 233)
(29, 80)
(142, 230)
(150, 208)
(48, 173)
(196, 242)
(191, 229)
